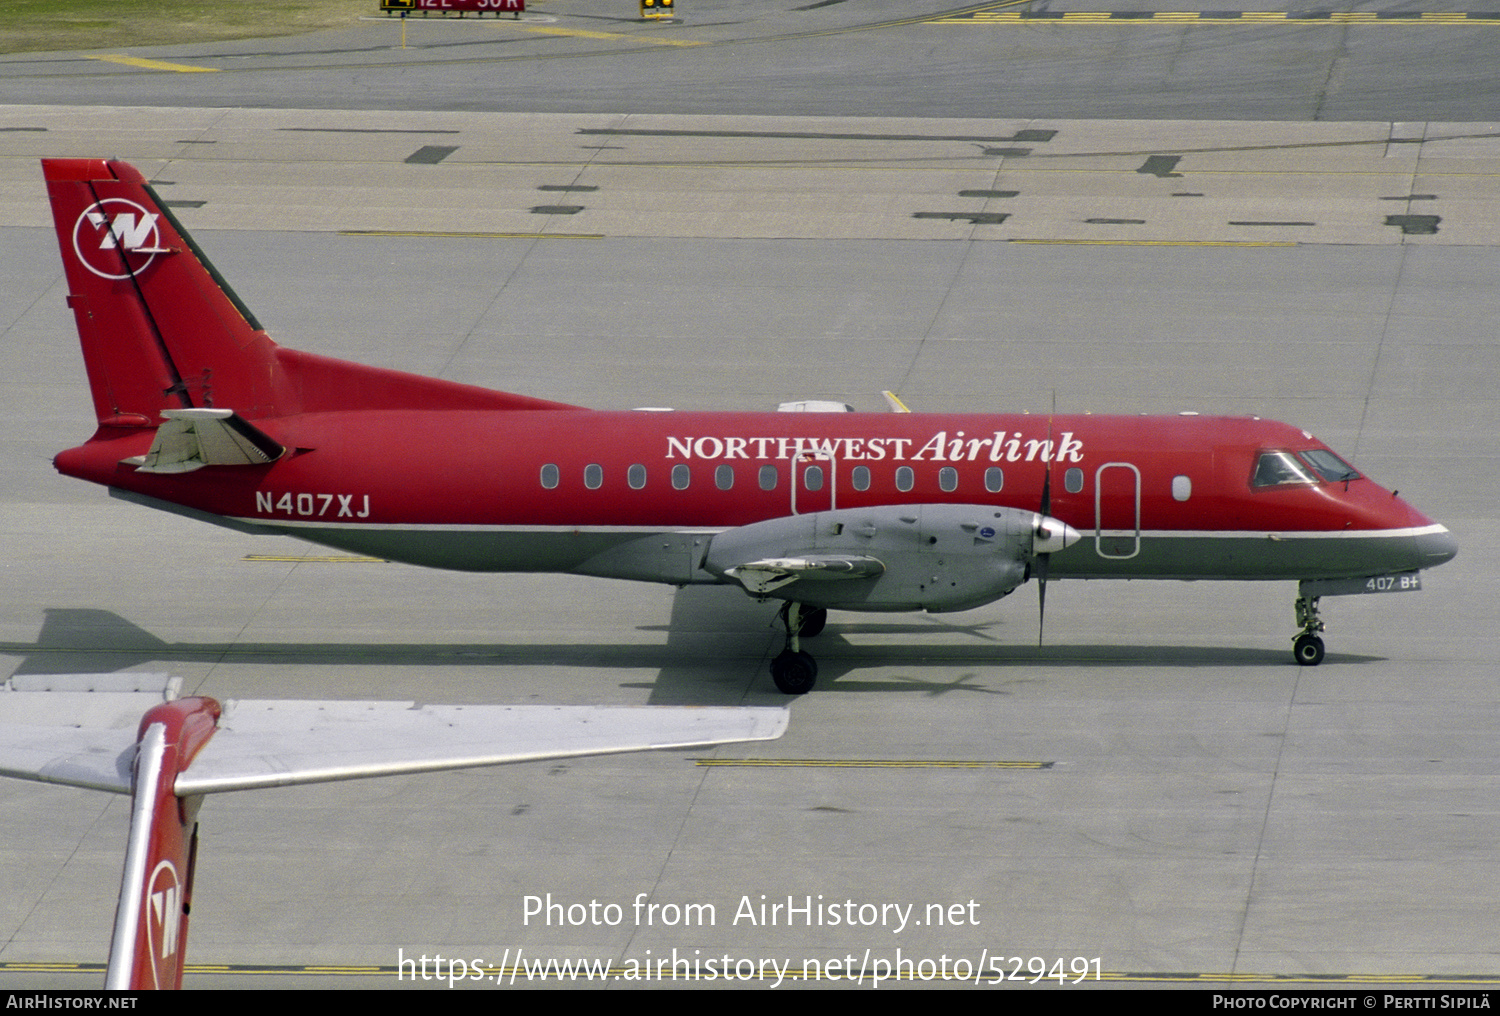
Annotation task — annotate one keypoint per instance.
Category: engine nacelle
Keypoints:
(933, 557)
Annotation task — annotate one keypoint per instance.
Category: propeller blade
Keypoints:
(1047, 479)
(1043, 560)
(1041, 594)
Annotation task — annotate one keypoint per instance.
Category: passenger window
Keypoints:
(948, 479)
(861, 478)
(1182, 488)
(994, 479)
(724, 477)
(593, 476)
(681, 476)
(549, 476)
(905, 478)
(812, 477)
(767, 477)
(636, 476)
(1073, 480)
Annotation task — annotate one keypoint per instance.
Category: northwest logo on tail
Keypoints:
(116, 238)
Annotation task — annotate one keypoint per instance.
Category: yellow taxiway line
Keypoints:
(154, 65)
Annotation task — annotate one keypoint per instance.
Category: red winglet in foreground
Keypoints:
(67, 729)
(156, 893)
(201, 414)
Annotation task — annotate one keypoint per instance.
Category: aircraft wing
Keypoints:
(185, 747)
(76, 729)
(277, 744)
(98, 759)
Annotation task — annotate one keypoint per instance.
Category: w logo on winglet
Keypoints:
(163, 905)
(116, 238)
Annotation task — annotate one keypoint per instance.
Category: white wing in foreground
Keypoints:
(80, 730)
(277, 744)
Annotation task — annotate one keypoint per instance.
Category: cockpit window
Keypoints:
(1328, 465)
(1275, 469)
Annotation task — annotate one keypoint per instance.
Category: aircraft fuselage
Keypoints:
(476, 490)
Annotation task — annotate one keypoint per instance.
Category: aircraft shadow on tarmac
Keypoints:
(701, 663)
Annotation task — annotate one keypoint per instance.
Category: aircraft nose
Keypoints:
(1435, 546)
(1052, 535)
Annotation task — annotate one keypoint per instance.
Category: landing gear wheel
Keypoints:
(794, 673)
(1308, 649)
(812, 622)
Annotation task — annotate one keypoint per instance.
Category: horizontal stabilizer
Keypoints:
(193, 438)
(773, 573)
(281, 743)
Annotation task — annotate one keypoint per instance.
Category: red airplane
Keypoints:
(201, 414)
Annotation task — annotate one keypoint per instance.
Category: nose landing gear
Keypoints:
(1307, 646)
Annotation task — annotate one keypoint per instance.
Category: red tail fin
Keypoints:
(161, 329)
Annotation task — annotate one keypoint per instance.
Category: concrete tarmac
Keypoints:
(1156, 795)
(1158, 789)
(910, 58)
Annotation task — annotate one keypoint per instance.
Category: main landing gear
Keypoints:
(794, 671)
(1307, 647)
